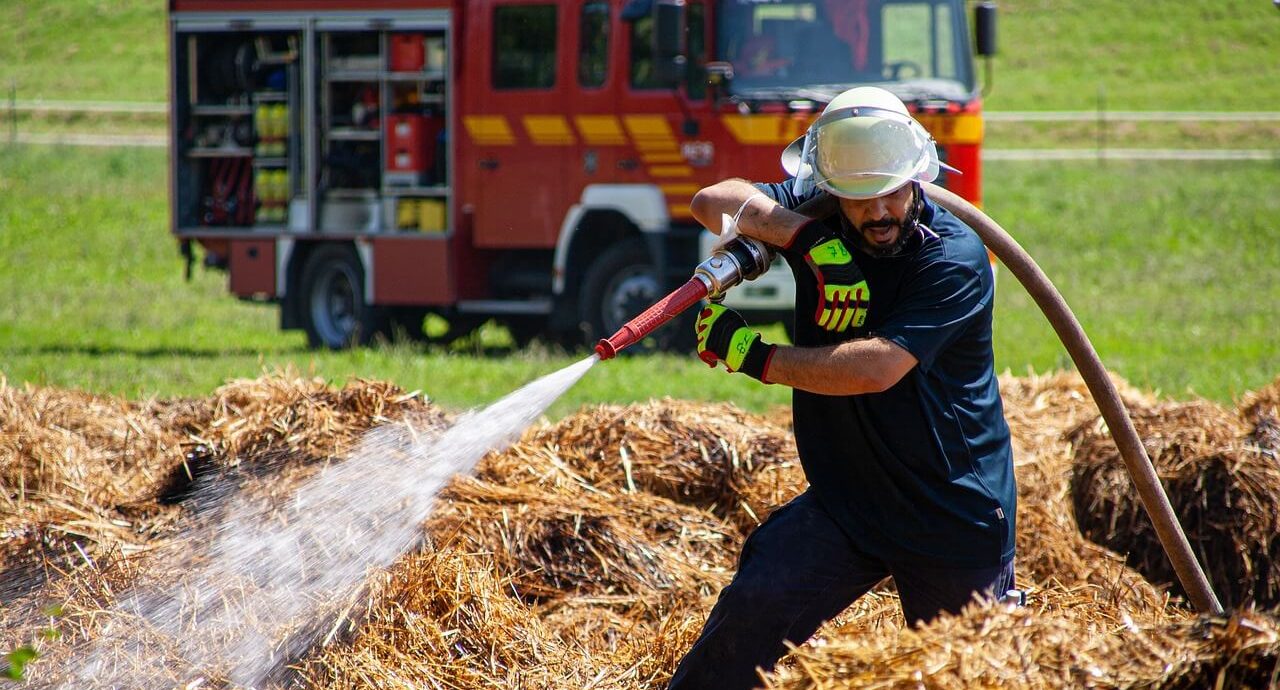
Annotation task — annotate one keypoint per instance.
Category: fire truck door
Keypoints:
(514, 142)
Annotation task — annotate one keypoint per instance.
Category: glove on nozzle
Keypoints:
(723, 336)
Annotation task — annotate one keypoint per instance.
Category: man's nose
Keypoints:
(879, 208)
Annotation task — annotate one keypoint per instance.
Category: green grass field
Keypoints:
(1053, 54)
(1170, 268)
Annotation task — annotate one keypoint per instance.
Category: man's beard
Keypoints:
(882, 251)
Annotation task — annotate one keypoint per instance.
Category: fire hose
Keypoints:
(745, 259)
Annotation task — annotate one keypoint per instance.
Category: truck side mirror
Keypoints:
(984, 26)
(668, 42)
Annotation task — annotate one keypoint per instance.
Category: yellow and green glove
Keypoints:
(723, 336)
(843, 295)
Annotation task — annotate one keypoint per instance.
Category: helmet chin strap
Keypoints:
(910, 228)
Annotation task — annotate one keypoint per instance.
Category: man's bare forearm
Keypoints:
(762, 218)
(868, 365)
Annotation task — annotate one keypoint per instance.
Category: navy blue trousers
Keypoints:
(797, 571)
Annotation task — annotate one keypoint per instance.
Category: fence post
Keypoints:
(13, 111)
(1102, 124)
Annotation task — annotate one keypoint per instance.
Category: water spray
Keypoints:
(742, 258)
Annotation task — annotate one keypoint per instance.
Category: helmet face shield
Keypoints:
(862, 153)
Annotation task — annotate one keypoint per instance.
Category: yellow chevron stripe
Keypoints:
(755, 129)
(679, 209)
(549, 130)
(764, 130)
(679, 189)
(489, 130)
(662, 157)
(652, 129)
(953, 129)
(600, 130)
(670, 171)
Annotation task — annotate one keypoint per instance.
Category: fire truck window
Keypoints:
(593, 44)
(919, 36)
(524, 46)
(697, 42)
(642, 76)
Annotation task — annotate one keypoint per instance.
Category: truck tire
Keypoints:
(621, 283)
(334, 312)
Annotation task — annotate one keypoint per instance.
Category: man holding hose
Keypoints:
(897, 413)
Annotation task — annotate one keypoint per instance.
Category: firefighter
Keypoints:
(897, 413)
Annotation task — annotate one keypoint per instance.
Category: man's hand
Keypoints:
(843, 295)
(723, 336)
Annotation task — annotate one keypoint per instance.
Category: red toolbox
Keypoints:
(407, 144)
(411, 147)
(408, 53)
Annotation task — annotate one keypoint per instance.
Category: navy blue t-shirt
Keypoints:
(922, 472)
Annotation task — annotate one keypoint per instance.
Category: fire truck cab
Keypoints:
(365, 164)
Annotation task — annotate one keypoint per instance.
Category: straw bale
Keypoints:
(713, 456)
(286, 416)
(97, 470)
(637, 644)
(1066, 637)
(589, 553)
(1242, 651)
(98, 449)
(552, 544)
(1262, 404)
(1224, 490)
(76, 468)
(1050, 549)
(441, 619)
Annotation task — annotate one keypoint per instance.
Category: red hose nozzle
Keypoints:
(605, 349)
(648, 321)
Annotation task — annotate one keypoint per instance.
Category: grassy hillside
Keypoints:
(84, 49)
(1164, 55)
(1171, 270)
(1054, 54)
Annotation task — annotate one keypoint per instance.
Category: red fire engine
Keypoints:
(365, 164)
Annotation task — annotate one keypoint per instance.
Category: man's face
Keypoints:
(879, 221)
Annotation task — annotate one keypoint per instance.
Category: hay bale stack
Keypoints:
(1225, 492)
(562, 565)
(284, 416)
(85, 448)
(1261, 408)
(553, 544)
(86, 477)
(711, 456)
(75, 469)
(75, 454)
(1070, 640)
(1040, 411)
(1242, 651)
(441, 620)
(1261, 405)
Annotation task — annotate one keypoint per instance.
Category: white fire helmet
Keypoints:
(864, 145)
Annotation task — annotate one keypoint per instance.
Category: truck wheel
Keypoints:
(334, 312)
(621, 283)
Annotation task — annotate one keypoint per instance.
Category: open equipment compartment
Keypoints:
(382, 113)
(236, 135)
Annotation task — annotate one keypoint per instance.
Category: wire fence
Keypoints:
(1101, 116)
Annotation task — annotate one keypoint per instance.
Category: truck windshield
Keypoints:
(817, 48)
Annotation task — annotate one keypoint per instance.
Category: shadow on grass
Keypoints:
(92, 350)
